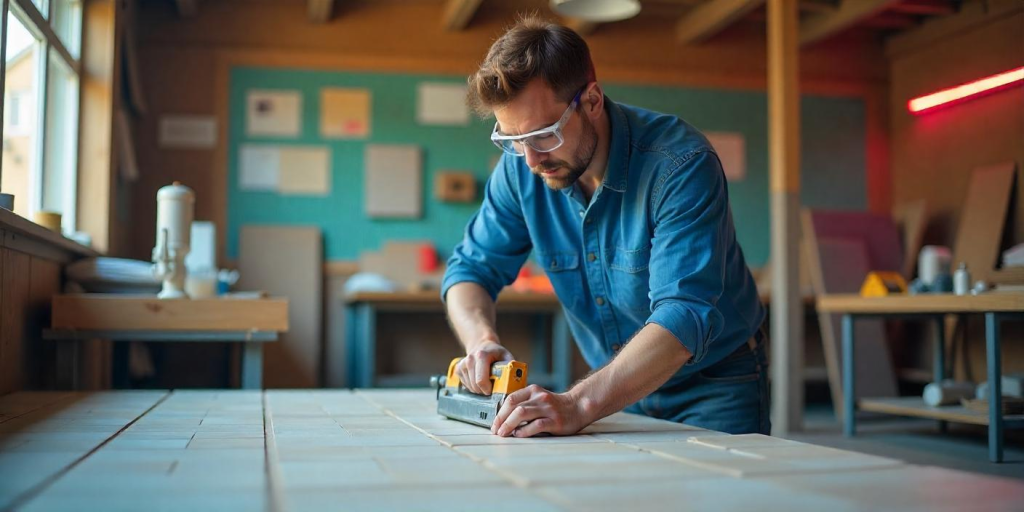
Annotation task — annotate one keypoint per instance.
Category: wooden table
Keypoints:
(299, 450)
(249, 322)
(995, 306)
(551, 342)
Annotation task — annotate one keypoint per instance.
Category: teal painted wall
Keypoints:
(833, 159)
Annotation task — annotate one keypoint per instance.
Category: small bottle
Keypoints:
(961, 280)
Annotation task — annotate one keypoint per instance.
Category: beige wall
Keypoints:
(932, 155)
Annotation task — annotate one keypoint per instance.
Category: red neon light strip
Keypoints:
(966, 91)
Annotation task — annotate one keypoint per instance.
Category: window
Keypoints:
(19, 173)
(41, 97)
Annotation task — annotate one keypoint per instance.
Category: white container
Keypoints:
(932, 262)
(175, 205)
(947, 392)
(962, 280)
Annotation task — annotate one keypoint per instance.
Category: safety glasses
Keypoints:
(544, 140)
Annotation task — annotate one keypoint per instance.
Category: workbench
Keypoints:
(368, 450)
(249, 322)
(551, 358)
(995, 306)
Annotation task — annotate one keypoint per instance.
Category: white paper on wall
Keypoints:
(732, 151)
(442, 104)
(259, 167)
(393, 181)
(305, 171)
(188, 132)
(273, 113)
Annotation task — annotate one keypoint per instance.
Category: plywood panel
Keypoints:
(288, 262)
(839, 265)
(99, 312)
(16, 268)
(983, 218)
(5, 364)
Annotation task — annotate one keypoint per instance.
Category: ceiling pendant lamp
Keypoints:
(597, 11)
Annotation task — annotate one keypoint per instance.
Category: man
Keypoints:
(627, 211)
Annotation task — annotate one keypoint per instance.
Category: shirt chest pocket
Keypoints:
(630, 261)
(562, 268)
(630, 280)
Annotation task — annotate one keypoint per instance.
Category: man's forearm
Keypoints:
(643, 365)
(471, 313)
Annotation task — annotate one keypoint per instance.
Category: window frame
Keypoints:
(50, 45)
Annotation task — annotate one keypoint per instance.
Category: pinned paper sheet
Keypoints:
(394, 181)
(273, 113)
(188, 132)
(732, 151)
(442, 104)
(305, 171)
(259, 167)
(345, 113)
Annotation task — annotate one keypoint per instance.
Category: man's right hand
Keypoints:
(474, 370)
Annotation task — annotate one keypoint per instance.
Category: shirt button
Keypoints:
(582, 213)
(589, 221)
(591, 257)
(616, 347)
(600, 301)
(554, 264)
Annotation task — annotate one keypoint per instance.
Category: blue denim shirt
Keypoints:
(656, 243)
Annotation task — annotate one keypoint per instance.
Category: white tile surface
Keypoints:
(389, 450)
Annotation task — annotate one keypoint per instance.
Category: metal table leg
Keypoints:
(252, 365)
(561, 363)
(366, 341)
(939, 352)
(351, 346)
(995, 391)
(541, 348)
(849, 422)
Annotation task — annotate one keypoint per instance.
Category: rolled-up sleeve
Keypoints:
(496, 243)
(690, 208)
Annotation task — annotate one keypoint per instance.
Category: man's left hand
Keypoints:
(534, 410)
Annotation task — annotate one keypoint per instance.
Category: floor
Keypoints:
(388, 450)
(916, 441)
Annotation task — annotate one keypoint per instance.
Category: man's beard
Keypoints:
(584, 154)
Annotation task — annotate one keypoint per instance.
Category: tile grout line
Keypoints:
(480, 463)
(275, 479)
(39, 488)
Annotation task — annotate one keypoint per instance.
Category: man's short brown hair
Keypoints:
(532, 48)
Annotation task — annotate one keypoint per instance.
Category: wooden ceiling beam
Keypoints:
(710, 18)
(849, 13)
(458, 13)
(320, 11)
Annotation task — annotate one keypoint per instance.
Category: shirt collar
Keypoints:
(618, 150)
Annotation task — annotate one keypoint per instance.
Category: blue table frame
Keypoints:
(995, 307)
(361, 311)
(68, 342)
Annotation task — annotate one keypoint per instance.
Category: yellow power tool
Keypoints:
(458, 403)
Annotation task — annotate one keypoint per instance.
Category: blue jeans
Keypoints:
(729, 396)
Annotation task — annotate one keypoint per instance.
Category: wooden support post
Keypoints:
(784, 163)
